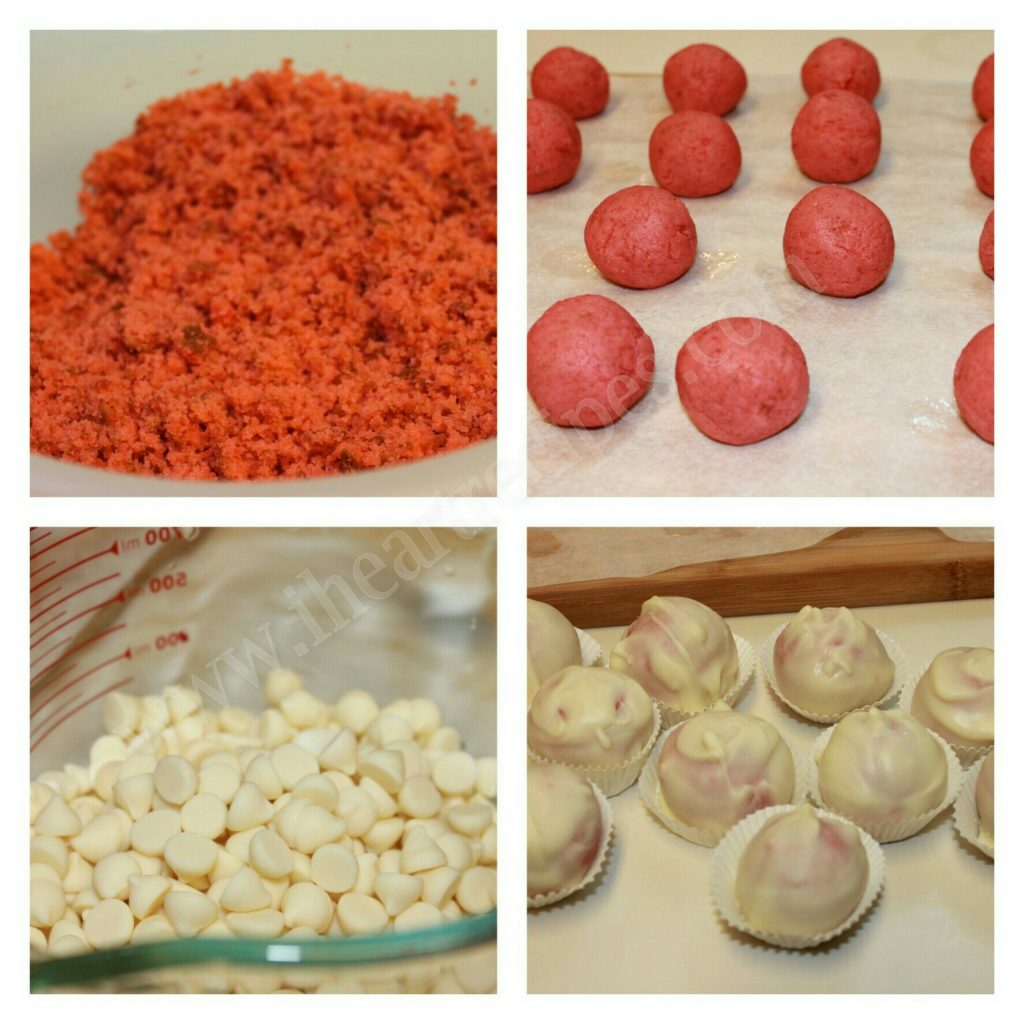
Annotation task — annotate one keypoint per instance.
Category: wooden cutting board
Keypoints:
(854, 567)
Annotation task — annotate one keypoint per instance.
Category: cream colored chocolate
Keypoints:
(801, 875)
(590, 716)
(985, 796)
(563, 828)
(828, 661)
(955, 696)
(722, 765)
(680, 651)
(551, 644)
(881, 767)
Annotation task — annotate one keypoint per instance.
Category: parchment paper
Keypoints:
(881, 419)
(568, 554)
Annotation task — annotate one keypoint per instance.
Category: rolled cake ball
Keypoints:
(974, 384)
(836, 137)
(563, 828)
(720, 766)
(680, 651)
(641, 237)
(801, 875)
(837, 242)
(983, 158)
(551, 644)
(589, 716)
(983, 91)
(841, 64)
(985, 795)
(742, 380)
(554, 146)
(829, 661)
(575, 81)
(694, 153)
(987, 245)
(588, 362)
(704, 77)
(956, 696)
(881, 767)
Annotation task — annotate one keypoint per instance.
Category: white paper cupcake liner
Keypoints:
(654, 801)
(607, 828)
(902, 677)
(967, 752)
(747, 667)
(965, 813)
(612, 779)
(726, 862)
(891, 832)
(592, 653)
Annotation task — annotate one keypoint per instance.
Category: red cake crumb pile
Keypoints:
(287, 276)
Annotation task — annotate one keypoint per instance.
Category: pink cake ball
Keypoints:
(987, 245)
(704, 77)
(983, 92)
(836, 136)
(588, 362)
(841, 64)
(983, 158)
(742, 379)
(694, 153)
(974, 384)
(641, 237)
(553, 146)
(837, 242)
(573, 80)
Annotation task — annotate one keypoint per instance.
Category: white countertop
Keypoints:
(648, 925)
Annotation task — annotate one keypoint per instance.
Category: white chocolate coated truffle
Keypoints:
(955, 697)
(722, 765)
(828, 661)
(563, 828)
(985, 796)
(881, 767)
(590, 716)
(551, 644)
(680, 651)
(801, 875)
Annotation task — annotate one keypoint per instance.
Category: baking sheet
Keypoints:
(881, 419)
(648, 925)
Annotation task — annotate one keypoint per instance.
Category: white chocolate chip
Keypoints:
(356, 710)
(150, 833)
(245, 893)
(317, 789)
(146, 894)
(78, 875)
(387, 729)
(175, 779)
(397, 891)
(273, 728)
(367, 873)
(340, 753)
(108, 925)
(419, 797)
(487, 777)
(189, 911)
(153, 929)
(111, 874)
(384, 767)
(477, 891)
(389, 862)
(302, 710)
(386, 805)
(334, 868)
(419, 915)
(269, 855)
(261, 773)
(359, 809)
(249, 809)
(220, 780)
(470, 819)
(317, 827)
(306, 905)
(189, 855)
(57, 819)
(204, 814)
(134, 794)
(280, 682)
(445, 739)
(292, 763)
(420, 852)
(359, 914)
(237, 721)
(455, 773)
(69, 945)
(426, 716)
(46, 903)
(257, 924)
(49, 850)
(439, 885)
(384, 834)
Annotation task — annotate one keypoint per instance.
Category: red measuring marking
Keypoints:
(41, 568)
(67, 668)
(44, 597)
(67, 597)
(38, 539)
(112, 550)
(75, 710)
(118, 597)
(63, 540)
(126, 653)
(49, 622)
(72, 650)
